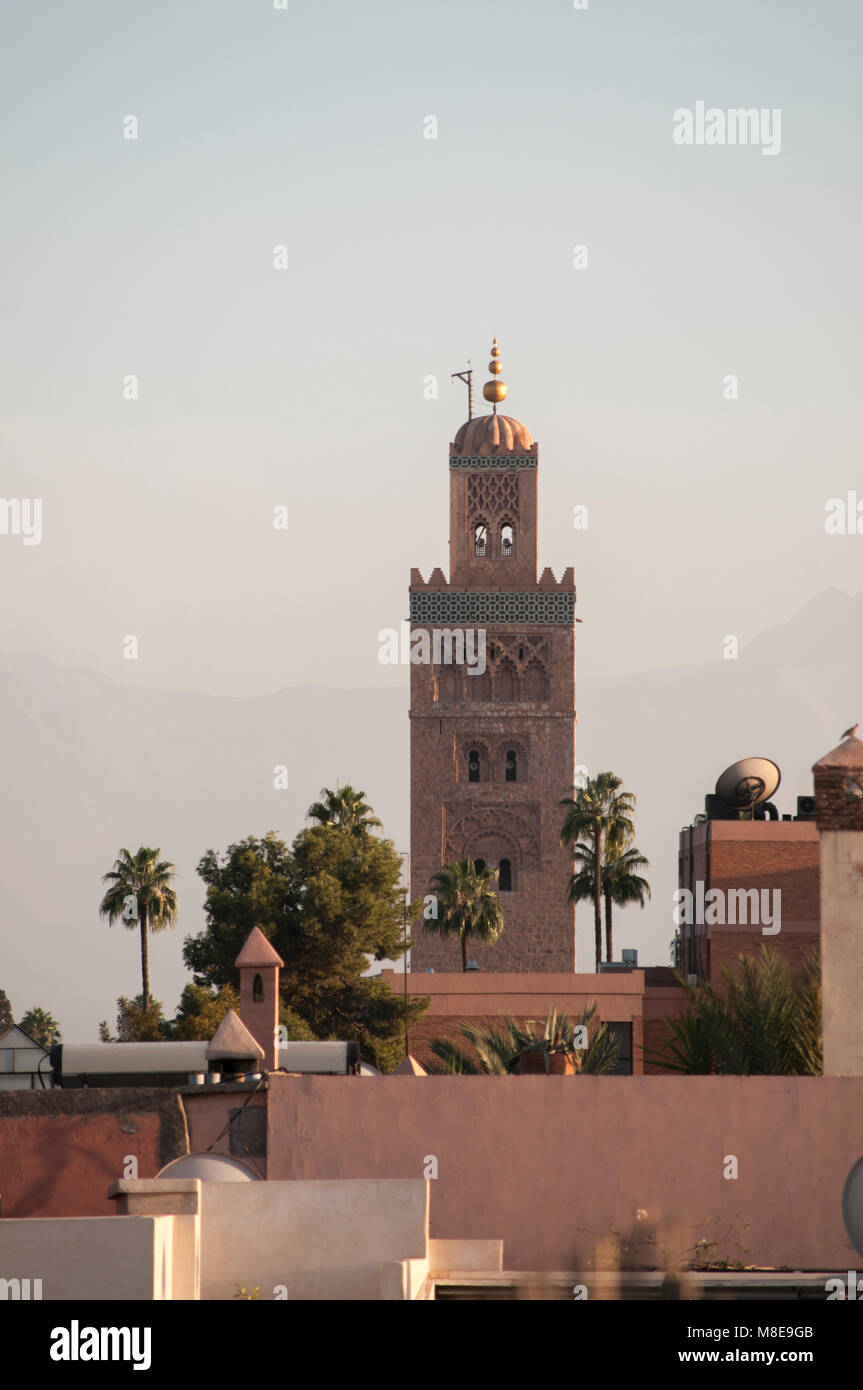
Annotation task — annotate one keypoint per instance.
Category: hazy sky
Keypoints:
(305, 387)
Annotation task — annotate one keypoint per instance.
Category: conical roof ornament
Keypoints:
(494, 390)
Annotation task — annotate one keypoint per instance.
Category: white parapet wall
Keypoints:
(313, 1240)
(98, 1258)
(187, 1239)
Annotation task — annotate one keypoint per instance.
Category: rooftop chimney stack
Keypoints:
(259, 967)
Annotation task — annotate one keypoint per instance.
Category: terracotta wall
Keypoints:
(60, 1150)
(533, 1159)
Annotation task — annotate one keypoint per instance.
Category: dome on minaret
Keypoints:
(487, 434)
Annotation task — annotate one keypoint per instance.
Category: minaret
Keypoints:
(493, 711)
(259, 967)
(839, 816)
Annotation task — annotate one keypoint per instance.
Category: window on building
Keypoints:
(623, 1032)
(511, 766)
(258, 990)
(473, 765)
(480, 538)
(507, 541)
(504, 876)
(479, 865)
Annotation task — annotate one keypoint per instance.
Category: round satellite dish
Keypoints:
(852, 1205)
(745, 784)
(209, 1168)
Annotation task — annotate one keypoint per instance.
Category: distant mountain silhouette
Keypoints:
(90, 766)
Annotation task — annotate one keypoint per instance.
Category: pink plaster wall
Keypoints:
(532, 1159)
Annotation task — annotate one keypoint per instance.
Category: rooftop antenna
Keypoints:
(467, 378)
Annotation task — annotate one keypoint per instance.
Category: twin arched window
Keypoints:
(474, 765)
(504, 874)
(481, 540)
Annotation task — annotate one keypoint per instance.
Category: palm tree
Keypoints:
(600, 815)
(41, 1026)
(141, 896)
(763, 1020)
(620, 884)
(343, 807)
(498, 1049)
(466, 906)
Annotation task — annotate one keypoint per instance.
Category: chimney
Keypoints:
(839, 816)
(259, 966)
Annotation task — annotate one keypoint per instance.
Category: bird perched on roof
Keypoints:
(852, 732)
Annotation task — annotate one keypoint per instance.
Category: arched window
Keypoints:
(504, 876)
(479, 865)
(504, 681)
(534, 683)
(473, 765)
(507, 540)
(449, 683)
(477, 687)
(511, 764)
(258, 990)
(480, 538)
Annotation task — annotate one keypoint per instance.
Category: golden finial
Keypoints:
(495, 390)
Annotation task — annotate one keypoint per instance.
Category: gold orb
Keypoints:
(495, 391)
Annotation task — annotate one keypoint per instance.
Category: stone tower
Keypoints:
(493, 705)
(839, 815)
(259, 965)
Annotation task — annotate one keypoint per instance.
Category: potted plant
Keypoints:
(548, 1054)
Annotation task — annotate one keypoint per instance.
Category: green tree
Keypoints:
(763, 1020)
(201, 1011)
(6, 1019)
(620, 882)
(497, 1049)
(41, 1026)
(344, 807)
(141, 896)
(326, 904)
(600, 817)
(466, 906)
(137, 1022)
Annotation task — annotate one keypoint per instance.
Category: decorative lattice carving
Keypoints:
(492, 496)
(473, 607)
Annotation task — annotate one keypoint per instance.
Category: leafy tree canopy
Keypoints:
(326, 904)
(135, 1023)
(41, 1026)
(6, 1019)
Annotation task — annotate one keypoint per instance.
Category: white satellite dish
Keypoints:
(746, 783)
(209, 1168)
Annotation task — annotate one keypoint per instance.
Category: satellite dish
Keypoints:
(209, 1168)
(852, 1205)
(743, 785)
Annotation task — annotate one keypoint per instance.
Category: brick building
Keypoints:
(493, 708)
(745, 859)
